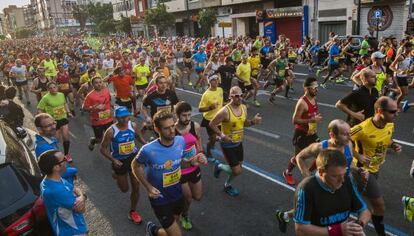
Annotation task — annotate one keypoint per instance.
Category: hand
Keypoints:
(257, 119)
(154, 192)
(318, 118)
(117, 163)
(364, 159)
(396, 147)
(226, 139)
(201, 158)
(359, 115)
(351, 229)
(148, 120)
(80, 204)
(212, 106)
(70, 114)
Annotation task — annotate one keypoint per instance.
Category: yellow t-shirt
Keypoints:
(85, 78)
(244, 72)
(254, 64)
(142, 73)
(211, 97)
(372, 142)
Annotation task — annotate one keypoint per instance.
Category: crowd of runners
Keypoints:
(127, 87)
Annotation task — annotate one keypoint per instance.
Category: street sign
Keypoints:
(378, 13)
(224, 24)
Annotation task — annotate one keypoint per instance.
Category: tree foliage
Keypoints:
(102, 16)
(160, 18)
(81, 14)
(124, 25)
(207, 18)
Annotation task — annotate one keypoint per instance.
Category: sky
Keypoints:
(19, 3)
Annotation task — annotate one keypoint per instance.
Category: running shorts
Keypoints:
(165, 213)
(233, 155)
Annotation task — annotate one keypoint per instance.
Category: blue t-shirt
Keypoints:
(59, 200)
(43, 145)
(334, 51)
(315, 49)
(163, 168)
(200, 59)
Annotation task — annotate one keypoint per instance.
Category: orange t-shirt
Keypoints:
(99, 116)
(122, 86)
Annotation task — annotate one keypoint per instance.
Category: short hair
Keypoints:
(157, 79)
(40, 117)
(10, 92)
(91, 70)
(47, 161)
(182, 107)
(309, 81)
(161, 116)
(50, 83)
(382, 103)
(94, 78)
(333, 126)
(330, 158)
(408, 44)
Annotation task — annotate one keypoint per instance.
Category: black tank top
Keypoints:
(42, 85)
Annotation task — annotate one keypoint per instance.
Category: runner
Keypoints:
(54, 103)
(18, 74)
(39, 85)
(323, 202)
(118, 146)
(243, 73)
(157, 167)
(141, 73)
(124, 88)
(305, 118)
(98, 104)
(65, 87)
(277, 70)
(200, 59)
(233, 119)
(333, 62)
(50, 66)
(211, 102)
(227, 73)
(190, 175)
(372, 138)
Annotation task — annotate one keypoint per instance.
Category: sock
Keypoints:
(378, 224)
(291, 165)
(287, 90)
(227, 169)
(286, 216)
(66, 145)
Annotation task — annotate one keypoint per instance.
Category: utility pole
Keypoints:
(188, 17)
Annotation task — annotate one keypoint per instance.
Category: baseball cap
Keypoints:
(377, 54)
(210, 78)
(122, 111)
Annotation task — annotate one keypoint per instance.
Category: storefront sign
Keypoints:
(379, 16)
(270, 30)
(224, 24)
(284, 12)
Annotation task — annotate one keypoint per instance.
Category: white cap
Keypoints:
(377, 54)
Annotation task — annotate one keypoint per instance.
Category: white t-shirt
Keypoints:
(108, 64)
(19, 73)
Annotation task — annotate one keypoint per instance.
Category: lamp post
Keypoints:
(188, 17)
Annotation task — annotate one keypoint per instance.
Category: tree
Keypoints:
(160, 18)
(124, 25)
(21, 33)
(102, 16)
(81, 14)
(207, 18)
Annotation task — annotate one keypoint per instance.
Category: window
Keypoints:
(140, 6)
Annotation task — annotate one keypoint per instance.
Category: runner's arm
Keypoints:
(299, 110)
(356, 78)
(343, 107)
(199, 141)
(104, 149)
(138, 170)
(393, 65)
(34, 85)
(220, 117)
(310, 151)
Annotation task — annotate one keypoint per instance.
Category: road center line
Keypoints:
(263, 92)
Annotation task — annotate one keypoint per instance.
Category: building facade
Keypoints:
(14, 18)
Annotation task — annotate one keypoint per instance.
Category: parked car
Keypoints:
(21, 207)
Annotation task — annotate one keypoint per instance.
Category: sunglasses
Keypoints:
(60, 162)
(236, 95)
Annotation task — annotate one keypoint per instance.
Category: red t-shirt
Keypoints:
(99, 116)
(122, 85)
(63, 81)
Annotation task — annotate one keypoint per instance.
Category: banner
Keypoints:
(270, 30)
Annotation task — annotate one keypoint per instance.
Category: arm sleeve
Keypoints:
(349, 99)
(303, 207)
(356, 132)
(203, 102)
(42, 104)
(141, 157)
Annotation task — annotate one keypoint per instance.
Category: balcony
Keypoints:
(230, 2)
(175, 6)
(210, 3)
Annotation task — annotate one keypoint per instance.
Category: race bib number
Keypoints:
(281, 73)
(171, 178)
(104, 114)
(125, 99)
(201, 65)
(126, 148)
(164, 108)
(179, 60)
(376, 160)
(237, 136)
(64, 86)
(312, 128)
(190, 152)
(59, 111)
(187, 60)
(336, 59)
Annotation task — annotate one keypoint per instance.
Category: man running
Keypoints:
(372, 138)
(98, 104)
(124, 87)
(190, 175)
(158, 167)
(211, 102)
(305, 118)
(233, 119)
(19, 74)
(118, 146)
(141, 73)
(54, 103)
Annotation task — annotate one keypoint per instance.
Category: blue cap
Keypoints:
(122, 112)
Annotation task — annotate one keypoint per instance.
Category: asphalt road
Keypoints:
(262, 189)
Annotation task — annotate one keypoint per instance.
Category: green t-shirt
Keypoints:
(280, 68)
(54, 105)
(364, 48)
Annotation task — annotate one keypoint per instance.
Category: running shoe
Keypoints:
(150, 228)
(289, 178)
(256, 103)
(186, 223)
(292, 90)
(272, 99)
(323, 86)
(190, 84)
(282, 222)
(134, 217)
(339, 80)
(91, 144)
(408, 203)
(232, 191)
(405, 106)
(68, 158)
(210, 158)
(318, 72)
(217, 170)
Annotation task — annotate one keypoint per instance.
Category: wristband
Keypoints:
(359, 223)
(335, 230)
(222, 135)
